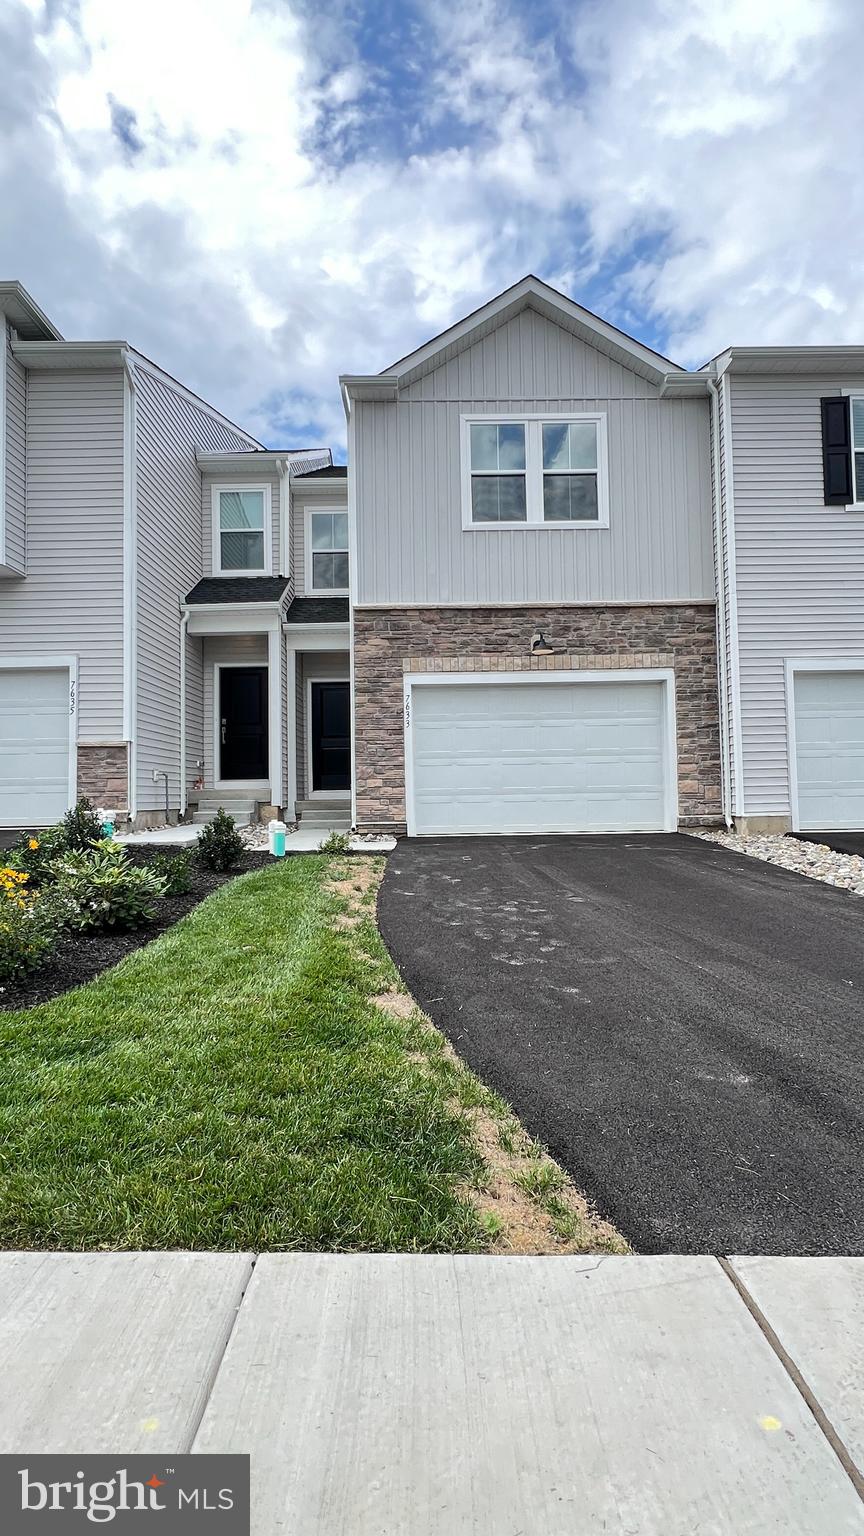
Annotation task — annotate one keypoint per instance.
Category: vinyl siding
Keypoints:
(71, 600)
(171, 553)
(16, 451)
(411, 544)
(800, 565)
(243, 650)
(208, 511)
(194, 708)
(310, 496)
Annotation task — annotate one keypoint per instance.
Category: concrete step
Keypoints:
(243, 818)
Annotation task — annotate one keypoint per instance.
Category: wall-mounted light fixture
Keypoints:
(540, 645)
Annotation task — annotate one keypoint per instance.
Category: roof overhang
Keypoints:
(833, 361)
(529, 293)
(275, 460)
(686, 386)
(31, 323)
(370, 386)
(71, 354)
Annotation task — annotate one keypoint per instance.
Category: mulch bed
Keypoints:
(79, 957)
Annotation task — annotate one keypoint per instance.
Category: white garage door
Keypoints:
(539, 757)
(34, 746)
(829, 750)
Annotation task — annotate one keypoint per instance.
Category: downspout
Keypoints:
(352, 587)
(130, 581)
(720, 590)
(184, 625)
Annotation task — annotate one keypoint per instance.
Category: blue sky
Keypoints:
(292, 190)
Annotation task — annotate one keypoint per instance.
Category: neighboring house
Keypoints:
(550, 528)
(170, 593)
(789, 437)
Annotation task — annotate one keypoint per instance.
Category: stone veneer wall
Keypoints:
(103, 776)
(390, 642)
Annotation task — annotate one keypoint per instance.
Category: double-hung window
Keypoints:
(326, 550)
(241, 530)
(537, 471)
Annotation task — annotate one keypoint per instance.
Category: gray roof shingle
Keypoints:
(238, 589)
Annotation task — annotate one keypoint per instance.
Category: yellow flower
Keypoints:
(33, 843)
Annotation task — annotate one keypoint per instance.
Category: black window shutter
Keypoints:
(837, 450)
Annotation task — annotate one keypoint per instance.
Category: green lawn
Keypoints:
(232, 1085)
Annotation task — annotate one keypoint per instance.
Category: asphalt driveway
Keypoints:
(683, 1027)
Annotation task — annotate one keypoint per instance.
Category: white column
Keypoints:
(274, 693)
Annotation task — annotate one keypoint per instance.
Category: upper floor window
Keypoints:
(534, 472)
(326, 550)
(241, 532)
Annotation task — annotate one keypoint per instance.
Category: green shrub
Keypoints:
(82, 827)
(35, 852)
(220, 845)
(29, 923)
(335, 842)
(105, 889)
(175, 869)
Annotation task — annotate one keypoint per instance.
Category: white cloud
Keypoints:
(266, 235)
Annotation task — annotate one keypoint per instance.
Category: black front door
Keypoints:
(331, 736)
(243, 723)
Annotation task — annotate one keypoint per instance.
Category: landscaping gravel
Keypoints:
(817, 860)
(78, 957)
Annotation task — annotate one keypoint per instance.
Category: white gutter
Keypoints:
(184, 625)
(352, 589)
(130, 578)
(720, 591)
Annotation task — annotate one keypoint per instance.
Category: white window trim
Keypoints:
(51, 663)
(791, 666)
(852, 506)
(215, 493)
(309, 512)
(534, 468)
(590, 677)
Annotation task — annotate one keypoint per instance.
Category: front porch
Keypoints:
(266, 704)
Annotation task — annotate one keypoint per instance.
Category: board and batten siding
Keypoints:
(800, 565)
(16, 471)
(71, 599)
(411, 547)
(173, 551)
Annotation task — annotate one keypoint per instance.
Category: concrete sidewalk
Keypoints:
(438, 1396)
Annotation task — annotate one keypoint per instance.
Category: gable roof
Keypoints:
(529, 293)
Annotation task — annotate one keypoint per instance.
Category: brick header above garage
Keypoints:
(615, 661)
(394, 642)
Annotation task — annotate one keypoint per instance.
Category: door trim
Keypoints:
(241, 785)
(664, 675)
(55, 664)
(792, 665)
(320, 794)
